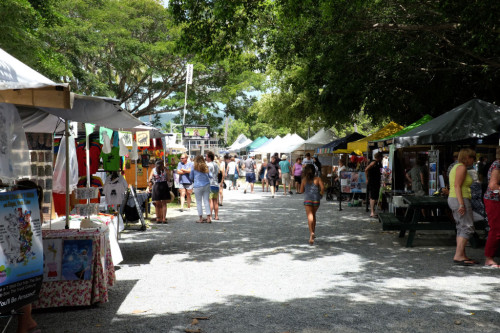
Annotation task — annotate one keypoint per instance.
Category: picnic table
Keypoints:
(414, 220)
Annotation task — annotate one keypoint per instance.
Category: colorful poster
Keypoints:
(353, 182)
(21, 249)
(77, 259)
(52, 254)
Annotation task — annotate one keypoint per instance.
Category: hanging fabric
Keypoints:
(106, 143)
(134, 155)
(59, 179)
(123, 148)
(14, 153)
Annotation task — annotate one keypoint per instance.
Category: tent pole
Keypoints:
(66, 134)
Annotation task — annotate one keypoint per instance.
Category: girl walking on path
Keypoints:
(200, 178)
(161, 192)
(313, 190)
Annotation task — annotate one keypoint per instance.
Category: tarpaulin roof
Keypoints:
(272, 146)
(257, 143)
(339, 143)
(474, 119)
(361, 146)
(319, 139)
(390, 139)
(22, 85)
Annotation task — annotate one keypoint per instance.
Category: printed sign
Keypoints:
(196, 132)
(353, 182)
(21, 249)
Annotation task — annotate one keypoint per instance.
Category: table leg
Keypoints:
(411, 234)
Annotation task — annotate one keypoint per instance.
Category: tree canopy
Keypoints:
(332, 59)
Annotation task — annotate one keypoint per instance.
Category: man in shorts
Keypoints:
(185, 186)
(250, 167)
(285, 174)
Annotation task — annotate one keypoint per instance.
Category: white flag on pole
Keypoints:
(189, 74)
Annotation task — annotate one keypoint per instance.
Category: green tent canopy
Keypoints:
(257, 143)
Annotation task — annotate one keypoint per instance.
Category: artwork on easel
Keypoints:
(77, 259)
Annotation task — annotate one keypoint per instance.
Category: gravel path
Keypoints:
(253, 271)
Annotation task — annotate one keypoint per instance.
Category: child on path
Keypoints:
(313, 190)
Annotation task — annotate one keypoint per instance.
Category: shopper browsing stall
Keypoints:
(459, 202)
(160, 191)
(184, 168)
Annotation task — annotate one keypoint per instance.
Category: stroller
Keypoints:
(333, 189)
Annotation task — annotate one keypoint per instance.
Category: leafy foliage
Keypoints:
(332, 58)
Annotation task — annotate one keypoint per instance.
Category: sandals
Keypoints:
(465, 262)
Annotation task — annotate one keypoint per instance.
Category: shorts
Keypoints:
(214, 192)
(250, 177)
(285, 179)
(298, 179)
(272, 181)
(311, 203)
(464, 223)
(186, 187)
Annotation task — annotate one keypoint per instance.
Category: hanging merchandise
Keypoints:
(94, 153)
(145, 160)
(111, 161)
(59, 180)
(114, 189)
(116, 139)
(134, 154)
(127, 138)
(95, 183)
(104, 130)
(14, 153)
(89, 129)
(123, 148)
(106, 143)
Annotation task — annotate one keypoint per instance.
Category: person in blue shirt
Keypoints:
(200, 178)
(184, 168)
(285, 175)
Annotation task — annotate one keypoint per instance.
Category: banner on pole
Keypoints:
(189, 74)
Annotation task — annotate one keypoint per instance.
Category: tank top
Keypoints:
(311, 192)
(466, 193)
(159, 177)
(298, 169)
(489, 194)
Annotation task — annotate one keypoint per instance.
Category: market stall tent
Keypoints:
(290, 145)
(390, 139)
(339, 143)
(361, 146)
(21, 85)
(475, 119)
(240, 143)
(257, 143)
(319, 139)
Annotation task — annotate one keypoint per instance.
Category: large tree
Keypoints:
(332, 59)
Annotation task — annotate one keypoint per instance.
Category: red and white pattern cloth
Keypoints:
(81, 292)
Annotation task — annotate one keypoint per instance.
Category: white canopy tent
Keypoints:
(268, 147)
(322, 137)
(240, 143)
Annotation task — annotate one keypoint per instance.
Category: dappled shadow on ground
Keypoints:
(254, 272)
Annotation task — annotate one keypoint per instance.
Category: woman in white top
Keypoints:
(231, 169)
